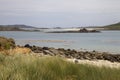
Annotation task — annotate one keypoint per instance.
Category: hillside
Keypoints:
(18, 26)
(14, 27)
(115, 26)
(10, 29)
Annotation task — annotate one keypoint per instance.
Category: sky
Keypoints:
(59, 13)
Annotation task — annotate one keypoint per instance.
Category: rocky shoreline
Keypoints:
(8, 47)
(74, 54)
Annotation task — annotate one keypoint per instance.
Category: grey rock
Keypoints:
(47, 52)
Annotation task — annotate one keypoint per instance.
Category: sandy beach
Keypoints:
(98, 63)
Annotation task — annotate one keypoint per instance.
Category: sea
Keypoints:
(106, 41)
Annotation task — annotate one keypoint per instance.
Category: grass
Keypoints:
(28, 67)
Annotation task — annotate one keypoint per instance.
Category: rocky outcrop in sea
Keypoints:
(84, 30)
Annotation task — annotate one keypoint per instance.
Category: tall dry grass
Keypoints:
(28, 67)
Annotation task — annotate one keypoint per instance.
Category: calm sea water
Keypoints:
(107, 41)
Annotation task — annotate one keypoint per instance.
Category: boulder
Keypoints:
(27, 45)
(54, 51)
(45, 48)
(47, 52)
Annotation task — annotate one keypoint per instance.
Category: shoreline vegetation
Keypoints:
(44, 63)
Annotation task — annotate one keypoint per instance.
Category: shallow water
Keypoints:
(107, 41)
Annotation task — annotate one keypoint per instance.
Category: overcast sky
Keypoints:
(59, 13)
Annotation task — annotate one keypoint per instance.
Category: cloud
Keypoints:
(61, 12)
(60, 5)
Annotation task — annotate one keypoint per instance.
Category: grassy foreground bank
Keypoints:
(28, 67)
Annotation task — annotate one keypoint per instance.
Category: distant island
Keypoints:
(17, 27)
(84, 30)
